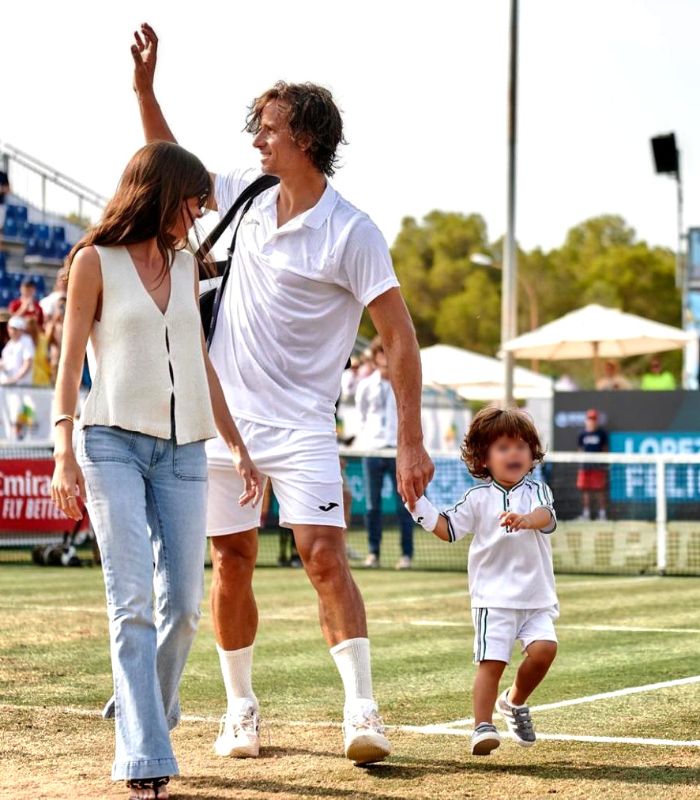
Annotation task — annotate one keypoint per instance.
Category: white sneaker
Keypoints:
(602, 516)
(518, 720)
(371, 561)
(365, 740)
(239, 732)
(404, 563)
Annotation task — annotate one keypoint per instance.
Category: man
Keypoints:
(658, 379)
(592, 479)
(376, 406)
(306, 262)
(26, 305)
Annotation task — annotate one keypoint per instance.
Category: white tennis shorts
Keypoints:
(303, 467)
(496, 630)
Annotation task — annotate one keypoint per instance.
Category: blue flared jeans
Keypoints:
(147, 502)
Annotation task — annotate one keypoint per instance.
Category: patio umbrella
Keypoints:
(477, 377)
(597, 332)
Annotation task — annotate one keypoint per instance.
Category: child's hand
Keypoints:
(515, 522)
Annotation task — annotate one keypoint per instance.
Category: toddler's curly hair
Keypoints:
(488, 425)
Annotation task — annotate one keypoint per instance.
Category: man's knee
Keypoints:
(234, 555)
(325, 561)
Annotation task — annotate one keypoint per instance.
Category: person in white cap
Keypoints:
(17, 355)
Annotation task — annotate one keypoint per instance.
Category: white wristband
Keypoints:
(425, 514)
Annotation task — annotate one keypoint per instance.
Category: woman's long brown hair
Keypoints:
(148, 200)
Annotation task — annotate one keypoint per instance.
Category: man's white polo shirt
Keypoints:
(506, 569)
(292, 306)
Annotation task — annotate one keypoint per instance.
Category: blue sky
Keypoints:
(423, 88)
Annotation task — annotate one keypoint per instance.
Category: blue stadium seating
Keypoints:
(3, 263)
(43, 233)
(58, 233)
(10, 229)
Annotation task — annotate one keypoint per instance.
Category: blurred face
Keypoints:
(381, 364)
(655, 366)
(279, 153)
(27, 290)
(591, 423)
(14, 333)
(508, 460)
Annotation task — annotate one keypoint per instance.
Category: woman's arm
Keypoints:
(84, 291)
(252, 478)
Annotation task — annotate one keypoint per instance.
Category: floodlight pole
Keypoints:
(509, 295)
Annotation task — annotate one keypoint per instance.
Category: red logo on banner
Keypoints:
(25, 497)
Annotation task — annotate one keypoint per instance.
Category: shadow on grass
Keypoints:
(406, 768)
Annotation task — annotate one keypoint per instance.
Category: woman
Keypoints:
(41, 370)
(132, 290)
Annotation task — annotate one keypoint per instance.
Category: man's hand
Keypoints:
(145, 54)
(414, 471)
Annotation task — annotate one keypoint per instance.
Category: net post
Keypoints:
(661, 516)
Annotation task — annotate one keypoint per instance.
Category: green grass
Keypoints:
(54, 655)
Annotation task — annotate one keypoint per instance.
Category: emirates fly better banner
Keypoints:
(25, 498)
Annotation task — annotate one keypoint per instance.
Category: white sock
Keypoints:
(353, 662)
(237, 672)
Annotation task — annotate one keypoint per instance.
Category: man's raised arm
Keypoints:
(155, 126)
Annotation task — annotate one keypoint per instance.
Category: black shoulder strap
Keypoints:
(258, 186)
(245, 197)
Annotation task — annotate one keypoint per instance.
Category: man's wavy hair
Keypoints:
(313, 117)
(490, 424)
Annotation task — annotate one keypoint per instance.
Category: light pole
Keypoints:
(509, 298)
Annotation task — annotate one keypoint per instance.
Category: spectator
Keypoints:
(565, 383)
(612, 378)
(350, 379)
(376, 405)
(18, 355)
(26, 305)
(41, 371)
(366, 367)
(657, 381)
(54, 334)
(51, 301)
(4, 186)
(592, 479)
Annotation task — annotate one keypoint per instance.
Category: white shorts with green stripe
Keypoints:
(496, 630)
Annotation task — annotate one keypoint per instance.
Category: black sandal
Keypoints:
(149, 783)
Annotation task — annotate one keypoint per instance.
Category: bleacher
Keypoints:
(29, 249)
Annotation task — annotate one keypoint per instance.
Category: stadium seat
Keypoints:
(28, 231)
(40, 284)
(46, 248)
(58, 233)
(21, 214)
(10, 229)
(32, 247)
(43, 233)
(6, 297)
(3, 263)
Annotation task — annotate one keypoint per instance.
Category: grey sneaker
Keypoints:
(518, 720)
(485, 739)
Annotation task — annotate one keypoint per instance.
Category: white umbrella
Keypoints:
(477, 377)
(597, 332)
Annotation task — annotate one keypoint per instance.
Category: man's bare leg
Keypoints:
(235, 620)
(344, 626)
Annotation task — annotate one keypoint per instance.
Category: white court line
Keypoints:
(440, 730)
(592, 698)
(443, 730)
